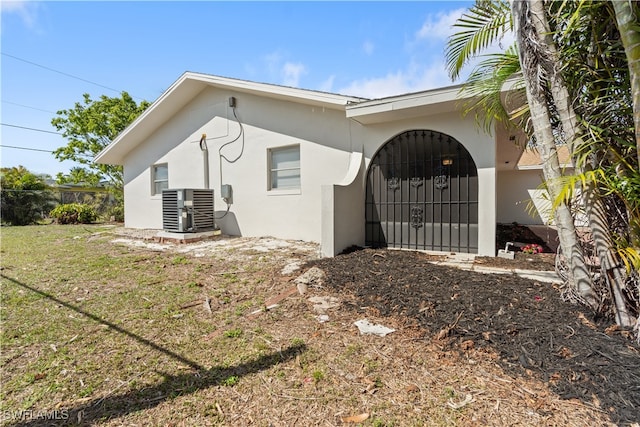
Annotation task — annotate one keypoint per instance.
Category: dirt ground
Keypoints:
(468, 348)
(532, 332)
(523, 324)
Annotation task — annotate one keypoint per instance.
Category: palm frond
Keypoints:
(569, 185)
(484, 89)
(630, 257)
(485, 23)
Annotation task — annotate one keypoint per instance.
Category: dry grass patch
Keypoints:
(113, 334)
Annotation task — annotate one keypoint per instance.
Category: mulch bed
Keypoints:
(522, 261)
(520, 235)
(525, 322)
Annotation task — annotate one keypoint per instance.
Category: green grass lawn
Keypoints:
(96, 332)
(100, 330)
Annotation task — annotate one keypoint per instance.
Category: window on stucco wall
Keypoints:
(284, 168)
(159, 178)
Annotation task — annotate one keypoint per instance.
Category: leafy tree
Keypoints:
(89, 127)
(25, 197)
(78, 175)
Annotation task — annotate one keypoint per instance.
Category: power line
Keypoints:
(12, 190)
(25, 148)
(28, 106)
(65, 74)
(86, 156)
(32, 129)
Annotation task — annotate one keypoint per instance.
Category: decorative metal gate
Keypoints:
(422, 193)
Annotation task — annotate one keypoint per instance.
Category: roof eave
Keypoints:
(114, 152)
(187, 87)
(404, 106)
(424, 103)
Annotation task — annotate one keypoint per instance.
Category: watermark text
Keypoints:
(28, 414)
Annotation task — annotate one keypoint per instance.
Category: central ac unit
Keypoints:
(188, 210)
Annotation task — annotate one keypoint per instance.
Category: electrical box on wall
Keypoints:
(232, 101)
(226, 192)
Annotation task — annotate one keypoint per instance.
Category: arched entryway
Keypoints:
(422, 193)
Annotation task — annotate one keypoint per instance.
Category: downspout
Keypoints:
(205, 158)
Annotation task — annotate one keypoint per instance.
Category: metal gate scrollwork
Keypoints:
(441, 179)
(416, 217)
(422, 193)
(394, 183)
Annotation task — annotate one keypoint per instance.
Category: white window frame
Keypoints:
(155, 180)
(272, 187)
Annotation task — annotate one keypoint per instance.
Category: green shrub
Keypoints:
(74, 213)
(117, 213)
(24, 197)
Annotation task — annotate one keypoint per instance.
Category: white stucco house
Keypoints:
(406, 171)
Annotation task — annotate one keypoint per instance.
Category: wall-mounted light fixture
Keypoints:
(447, 161)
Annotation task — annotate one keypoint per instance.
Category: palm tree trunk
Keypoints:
(627, 21)
(627, 26)
(531, 61)
(610, 265)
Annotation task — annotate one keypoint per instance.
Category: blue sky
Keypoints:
(53, 52)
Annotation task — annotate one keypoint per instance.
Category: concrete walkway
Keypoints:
(465, 262)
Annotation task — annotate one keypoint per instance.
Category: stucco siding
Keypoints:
(322, 135)
(514, 190)
(334, 150)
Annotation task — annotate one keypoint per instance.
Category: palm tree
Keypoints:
(486, 22)
(595, 69)
(576, 84)
(538, 49)
(627, 19)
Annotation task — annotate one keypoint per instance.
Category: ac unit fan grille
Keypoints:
(170, 210)
(203, 211)
(188, 210)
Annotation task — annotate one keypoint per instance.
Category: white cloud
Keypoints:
(501, 45)
(425, 68)
(327, 85)
(12, 6)
(414, 78)
(439, 27)
(273, 61)
(377, 87)
(291, 73)
(283, 71)
(368, 47)
(27, 10)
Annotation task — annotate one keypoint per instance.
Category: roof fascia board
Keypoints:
(190, 84)
(374, 110)
(155, 106)
(304, 96)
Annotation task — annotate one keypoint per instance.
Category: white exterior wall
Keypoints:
(343, 210)
(255, 211)
(329, 207)
(515, 190)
